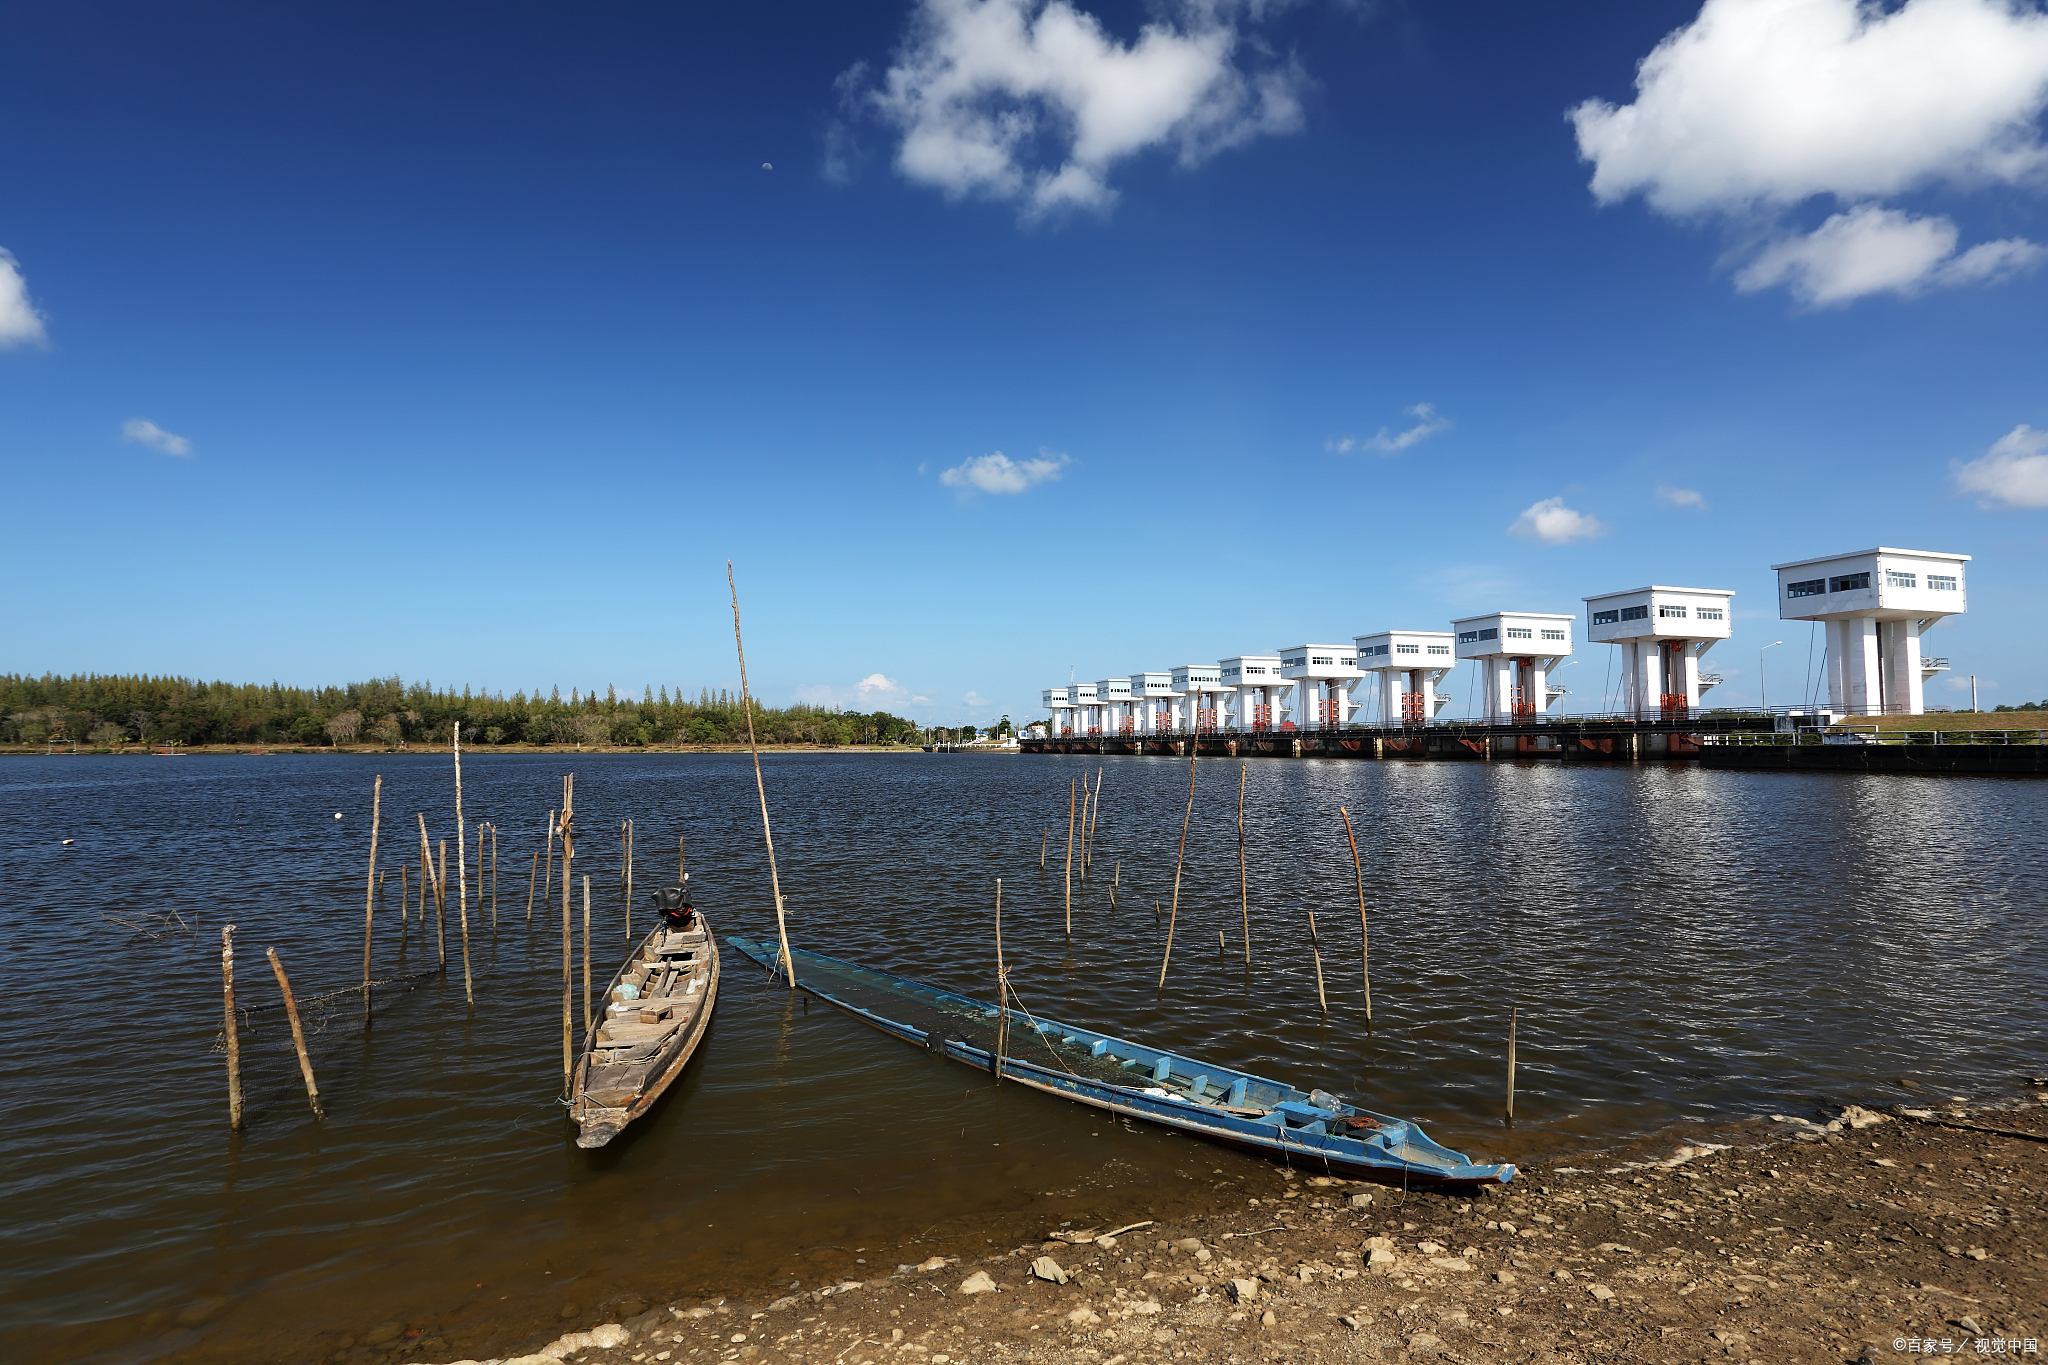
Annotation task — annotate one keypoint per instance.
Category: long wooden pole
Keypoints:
(1174, 918)
(404, 890)
(426, 869)
(682, 857)
(532, 880)
(462, 867)
(441, 904)
(1002, 987)
(586, 953)
(494, 876)
(565, 823)
(626, 885)
(369, 894)
(547, 884)
(767, 835)
(1094, 823)
(1244, 895)
(1315, 946)
(1070, 857)
(227, 993)
(1513, 1014)
(291, 1011)
(1044, 833)
(1358, 876)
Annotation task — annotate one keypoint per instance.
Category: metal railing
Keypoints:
(1871, 734)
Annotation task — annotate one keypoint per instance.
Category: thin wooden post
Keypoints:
(441, 902)
(682, 857)
(291, 1011)
(586, 953)
(1512, 1017)
(532, 879)
(461, 866)
(494, 877)
(1070, 857)
(1315, 946)
(566, 823)
(1044, 833)
(426, 875)
(547, 885)
(1094, 821)
(1358, 876)
(404, 890)
(1221, 946)
(1174, 918)
(227, 993)
(767, 836)
(1244, 895)
(369, 899)
(1002, 987)
(1115, 875)
(626, 886)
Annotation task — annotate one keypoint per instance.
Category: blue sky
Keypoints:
(467, 342)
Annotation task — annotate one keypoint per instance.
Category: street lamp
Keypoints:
(1762, 691)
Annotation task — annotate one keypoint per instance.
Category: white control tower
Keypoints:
(1409, 664)
(1258, 693)
(1113, 695)
(1519, 650)
(1201, 688)
(1087, 711)
(1059, 702)
(1663, 633)
(1323, 676)
(1154, 699)
(1877, 604)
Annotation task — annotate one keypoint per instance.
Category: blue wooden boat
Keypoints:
(1312, 1128)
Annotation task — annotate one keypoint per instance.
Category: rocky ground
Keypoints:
(1867, 1238)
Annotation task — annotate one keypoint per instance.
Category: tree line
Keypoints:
(108, 712)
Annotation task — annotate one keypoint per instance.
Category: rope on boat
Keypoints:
(1041, 1032)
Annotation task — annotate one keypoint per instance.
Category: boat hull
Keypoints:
(603, 1105)
(1243, 1111)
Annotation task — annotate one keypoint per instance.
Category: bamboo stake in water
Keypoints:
(626, 874)
(1002, 987)
(1244, 895)
(1094, 822)
(441, 905)
(567, 821)
(1174, 918)
(291, 1010)
(586, 953)
(462, 866)
(1070, 857)
(532, 880)
(1315, 946)
(767, 836)
(494, 877)
(404, 890)
(1512, 1016)
(227, 992)
(1115, 875)
(547, 884)
(426, 870)
(1044, 833)
(1358, 876)
(1221, 946)
(369, 901)
(682, 858)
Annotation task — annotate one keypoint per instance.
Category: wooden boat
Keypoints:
(1312, 1128)
(657, 1009)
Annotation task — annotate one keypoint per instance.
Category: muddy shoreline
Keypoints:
(1794, 1240)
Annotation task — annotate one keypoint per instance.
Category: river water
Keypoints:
(1685, 948)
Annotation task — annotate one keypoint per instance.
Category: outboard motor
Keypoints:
(672, 903)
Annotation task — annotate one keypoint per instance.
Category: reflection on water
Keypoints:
(1682, 945)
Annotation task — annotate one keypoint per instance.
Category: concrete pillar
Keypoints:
(1838, 667)
(1688, 661)
(1862, 669)
(1423, 680)
(1538, 695)
(1912, 690)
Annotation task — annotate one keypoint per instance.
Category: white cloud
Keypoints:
(1681, 497)
(1760, 105)
(1033, 102)
(2013, 473)
(155, 437)
(1552, 523)
(1427, 424)
(1871, 250)
(976, 700)
(998, 473)
(20, 323)
(877, 688)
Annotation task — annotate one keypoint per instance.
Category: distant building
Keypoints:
(1877, 603)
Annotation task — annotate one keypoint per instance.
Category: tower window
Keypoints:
(1941, 582)
(1806, 587)
(1895, 578)
(1849, 582)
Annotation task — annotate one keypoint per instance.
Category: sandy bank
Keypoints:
(1793, 1243)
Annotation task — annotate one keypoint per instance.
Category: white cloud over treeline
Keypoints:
(1759, 106)
(1034, 102)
